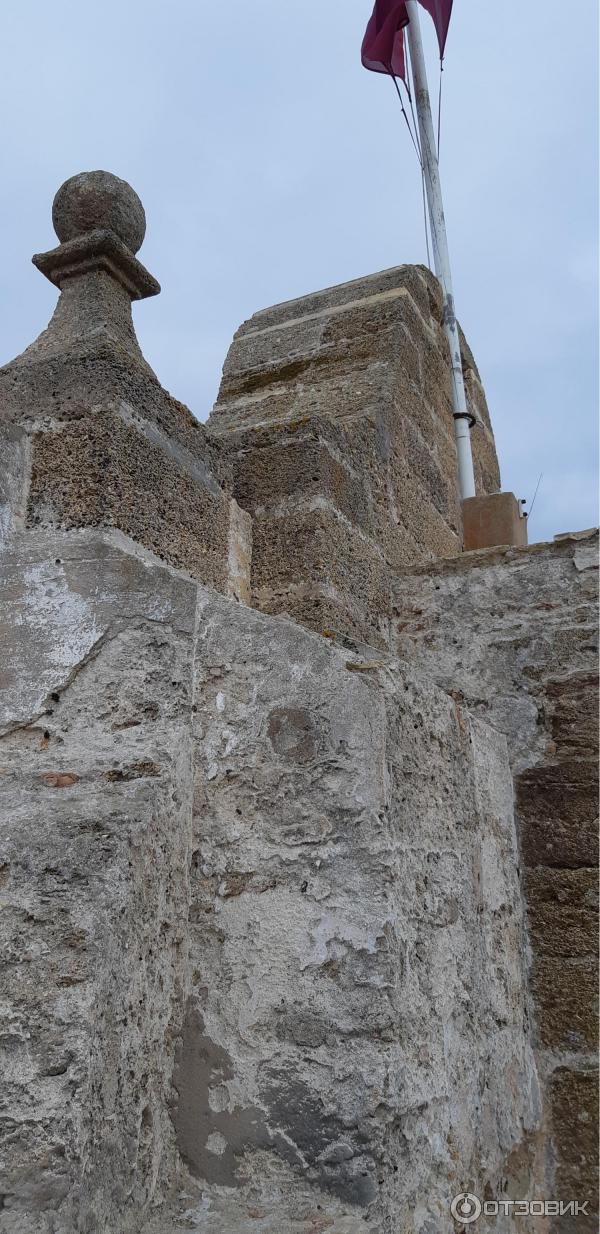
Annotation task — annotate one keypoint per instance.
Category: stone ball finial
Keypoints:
(98, 200)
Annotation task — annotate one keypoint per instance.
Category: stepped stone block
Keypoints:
(346, 395)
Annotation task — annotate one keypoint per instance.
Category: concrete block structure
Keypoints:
(296, 840)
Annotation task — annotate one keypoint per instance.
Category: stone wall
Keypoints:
(334, 421)
(263, 937)
(513, 633)
(262, 918)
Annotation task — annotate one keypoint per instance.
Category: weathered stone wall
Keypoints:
(513, 633)
(334, 420)
(261, 909)
(263, 939)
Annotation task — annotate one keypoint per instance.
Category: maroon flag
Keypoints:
(441, 11)
(383, 44)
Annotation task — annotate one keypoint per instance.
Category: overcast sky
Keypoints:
(271, 164)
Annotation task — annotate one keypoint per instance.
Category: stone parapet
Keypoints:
(262, 931)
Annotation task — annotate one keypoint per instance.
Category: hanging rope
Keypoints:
(536, 493)
(414, 120)
(404, 113)
(425, 217)
(414, 137)
(420, 153)
(439, 124)
(410, 101)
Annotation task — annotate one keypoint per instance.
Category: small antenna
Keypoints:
(536, 492)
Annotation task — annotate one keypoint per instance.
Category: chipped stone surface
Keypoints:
(57, 611)
(498, 626)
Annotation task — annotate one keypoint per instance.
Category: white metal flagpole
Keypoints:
(441, 258)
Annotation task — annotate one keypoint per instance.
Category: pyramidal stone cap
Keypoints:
(101, 224)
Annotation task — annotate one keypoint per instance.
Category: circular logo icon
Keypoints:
(465, 1207)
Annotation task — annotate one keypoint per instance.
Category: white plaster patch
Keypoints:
(216, 1143)
(586, 558)
(51, 605)
(333, 932)
(218, 1099)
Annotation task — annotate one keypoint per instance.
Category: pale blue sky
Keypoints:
(271, 164)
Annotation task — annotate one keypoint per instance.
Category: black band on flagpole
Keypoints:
(466, 415)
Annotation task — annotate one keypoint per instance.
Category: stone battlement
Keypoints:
(327, 465)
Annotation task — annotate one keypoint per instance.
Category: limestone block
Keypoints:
(575, 1129)
(363, 368)
(563, 911)
(105, 464)
(107, 469)
(322, 550)
(306, 462)
(364, 476)
(494, 625)
(385, 329)
(564, 932)
(59, 594)
(566, 999)
(558, 809)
